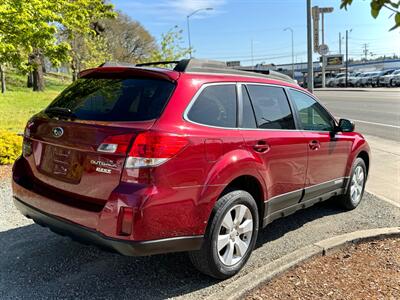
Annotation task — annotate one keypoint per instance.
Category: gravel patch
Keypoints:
(370, 270)
(38, 264)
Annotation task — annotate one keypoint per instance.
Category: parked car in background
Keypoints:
(333, 82)
(381, 75)
(395, 81)
(366, 80)
(354, 78)
(390, 80)
(144, 160)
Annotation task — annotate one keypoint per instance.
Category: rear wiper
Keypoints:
(60, 112)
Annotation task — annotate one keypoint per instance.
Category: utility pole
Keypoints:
(365, 51)
(310, 71)
(252, 57)
(340, 43)
(323, 56)
(347, 58)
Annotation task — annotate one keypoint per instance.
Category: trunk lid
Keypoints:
(71, 162)
(65, 137)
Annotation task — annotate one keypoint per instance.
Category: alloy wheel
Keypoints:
(357, 184)
(235, 234)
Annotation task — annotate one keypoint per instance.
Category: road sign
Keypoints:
(315, 15)
(323, 49)
(334, 61)
(325, 10)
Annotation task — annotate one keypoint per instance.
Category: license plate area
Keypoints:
(62, 163)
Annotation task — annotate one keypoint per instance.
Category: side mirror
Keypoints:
(346, 125)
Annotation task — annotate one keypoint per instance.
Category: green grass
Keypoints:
(19, 103)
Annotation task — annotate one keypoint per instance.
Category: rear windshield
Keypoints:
(114, 99)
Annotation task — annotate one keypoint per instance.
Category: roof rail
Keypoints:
(154, 63)
(219, 67)
(207, 66)
(116, 64)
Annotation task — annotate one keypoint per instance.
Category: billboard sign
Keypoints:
(234, 63)
(334, 61)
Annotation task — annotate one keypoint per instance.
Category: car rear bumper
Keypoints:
(90, 236)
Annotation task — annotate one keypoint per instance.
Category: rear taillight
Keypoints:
(125, 221)
(117, 144)
(26, 147)
(151, 149)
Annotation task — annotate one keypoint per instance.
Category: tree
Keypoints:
(127, 40)
(29, 28)
(85, 38)
(376, 7)
(170, 47)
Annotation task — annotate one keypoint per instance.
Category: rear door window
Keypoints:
(271, 107)
(215, 106)
(114, 99)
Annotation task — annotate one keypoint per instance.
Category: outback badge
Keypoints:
(57, 132)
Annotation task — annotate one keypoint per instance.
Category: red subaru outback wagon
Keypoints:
(146, 160)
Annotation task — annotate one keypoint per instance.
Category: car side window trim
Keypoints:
(239, 105)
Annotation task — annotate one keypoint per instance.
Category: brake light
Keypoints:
(125, 221)
(117, 144)
(151, 149)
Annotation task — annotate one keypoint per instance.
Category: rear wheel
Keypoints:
(230, 237)
(352, 198)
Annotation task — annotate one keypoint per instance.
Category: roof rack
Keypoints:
(219, 67)
(208, 66)
(154, 63)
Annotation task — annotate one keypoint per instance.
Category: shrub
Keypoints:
(10, 147)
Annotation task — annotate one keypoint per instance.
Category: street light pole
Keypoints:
(310, 71)
(188, 26)
(323, 55)
(347, 58)
(291, 31)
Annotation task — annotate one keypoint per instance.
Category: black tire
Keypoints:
(346, 200)
(207, 260)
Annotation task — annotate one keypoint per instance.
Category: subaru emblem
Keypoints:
(57, 132)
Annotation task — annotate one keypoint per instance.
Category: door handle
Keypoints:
(314, 145)
(261, 146)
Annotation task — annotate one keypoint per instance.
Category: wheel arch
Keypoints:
(251, 185)
(365, 157)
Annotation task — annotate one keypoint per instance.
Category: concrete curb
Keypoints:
(243, 285)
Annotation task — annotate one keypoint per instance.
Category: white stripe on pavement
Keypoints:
(379, 124)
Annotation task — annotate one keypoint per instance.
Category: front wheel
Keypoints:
(230, 237)
(352, 198)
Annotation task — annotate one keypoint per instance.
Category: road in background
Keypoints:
(377, 116)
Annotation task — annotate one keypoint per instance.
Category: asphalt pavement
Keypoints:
(375, 112)
(38, 264)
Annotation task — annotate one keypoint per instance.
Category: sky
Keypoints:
(234, 27)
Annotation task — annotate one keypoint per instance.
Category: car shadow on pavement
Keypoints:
(280, 227)
(36, 263)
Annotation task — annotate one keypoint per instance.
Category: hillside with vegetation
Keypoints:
(40, 36)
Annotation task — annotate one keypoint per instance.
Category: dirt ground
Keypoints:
(5, 172)
(370, 270)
